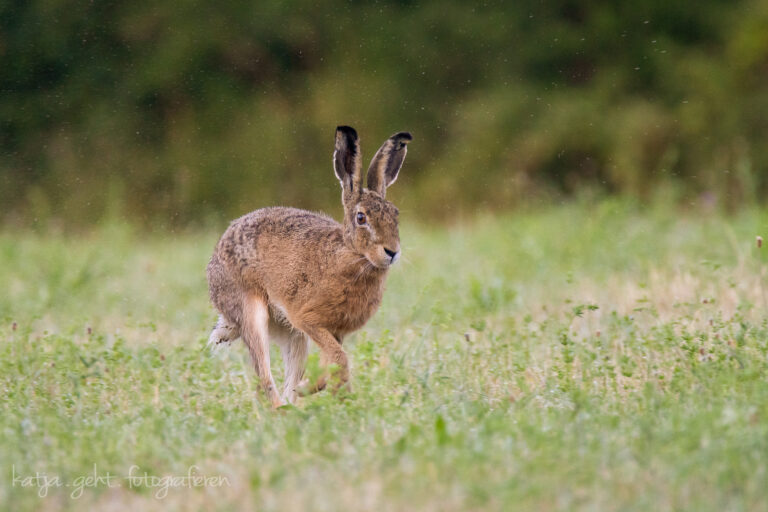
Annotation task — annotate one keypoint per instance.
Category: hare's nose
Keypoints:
(391, 254)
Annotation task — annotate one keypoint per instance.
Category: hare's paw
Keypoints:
(222, 334)
(277, 402)
(306, 388)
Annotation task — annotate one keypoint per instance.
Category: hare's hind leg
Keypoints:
(228, 298)
(223, 333)
(255, 334)
(294, 346)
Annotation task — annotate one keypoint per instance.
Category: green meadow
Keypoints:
(606, 356)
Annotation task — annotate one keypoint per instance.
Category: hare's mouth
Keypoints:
(383, 263)
(376, 263)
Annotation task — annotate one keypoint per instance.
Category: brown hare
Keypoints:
(290, 275)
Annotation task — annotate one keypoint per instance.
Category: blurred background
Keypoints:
(182, 112)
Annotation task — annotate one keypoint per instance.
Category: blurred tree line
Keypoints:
(187, 110)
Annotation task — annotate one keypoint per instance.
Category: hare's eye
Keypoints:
(361, 218)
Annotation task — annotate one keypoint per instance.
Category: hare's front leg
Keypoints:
(255, 333)
(330, 353)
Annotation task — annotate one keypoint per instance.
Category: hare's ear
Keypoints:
(347, 163)
(387, 161)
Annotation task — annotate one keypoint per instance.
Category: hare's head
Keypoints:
(370, 221)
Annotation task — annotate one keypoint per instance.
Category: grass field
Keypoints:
(601, 357)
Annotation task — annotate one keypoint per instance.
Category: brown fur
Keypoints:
(289, 274)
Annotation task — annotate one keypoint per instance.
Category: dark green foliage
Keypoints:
(183, 110)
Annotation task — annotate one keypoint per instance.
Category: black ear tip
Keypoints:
(405, 137)
(348, 131)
